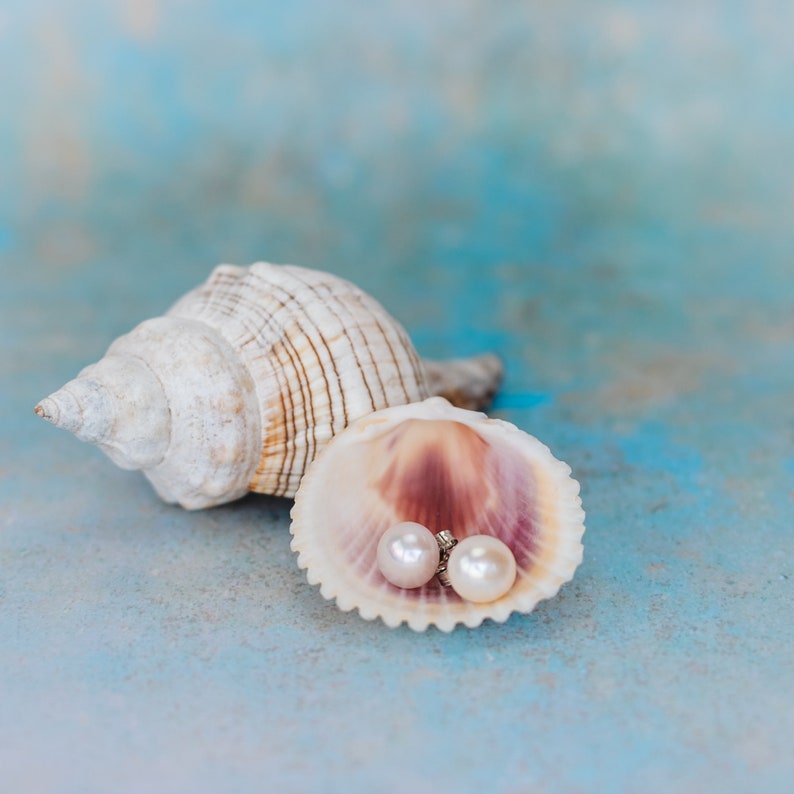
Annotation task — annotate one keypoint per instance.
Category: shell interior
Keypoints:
(449, 469)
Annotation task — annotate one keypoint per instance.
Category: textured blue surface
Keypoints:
(602, 193)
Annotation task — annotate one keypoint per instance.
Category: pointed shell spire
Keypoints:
(81, 407)
(117, 404)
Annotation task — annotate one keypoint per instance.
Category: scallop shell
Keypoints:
(448, 469)
(245, 379)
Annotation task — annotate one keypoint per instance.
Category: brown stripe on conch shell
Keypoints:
(231, 312)
(288, 344)
(309, 435)
(331, 358)
(375, 365)
(276, 438)
(379, 326)
(413, 356)
(329, 299)
(276, 447)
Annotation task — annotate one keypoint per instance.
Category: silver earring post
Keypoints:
(446, 542)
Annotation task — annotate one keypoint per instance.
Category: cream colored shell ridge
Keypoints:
(447, 469)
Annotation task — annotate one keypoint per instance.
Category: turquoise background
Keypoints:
(601, 192)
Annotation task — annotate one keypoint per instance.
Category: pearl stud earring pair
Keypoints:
(479, 568)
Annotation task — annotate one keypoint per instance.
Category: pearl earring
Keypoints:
(479, 568)
(408, 555)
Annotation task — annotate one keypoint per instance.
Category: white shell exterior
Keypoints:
(241, 382)
(448, 469)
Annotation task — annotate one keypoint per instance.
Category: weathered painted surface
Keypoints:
(601, 192)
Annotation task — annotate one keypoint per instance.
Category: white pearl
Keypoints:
(481, 568)
(408, 555)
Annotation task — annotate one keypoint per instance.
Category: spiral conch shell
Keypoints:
(447, 469)
(245, 379)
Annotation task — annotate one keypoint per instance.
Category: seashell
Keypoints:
(450, 470)
(245, 379)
